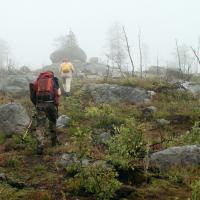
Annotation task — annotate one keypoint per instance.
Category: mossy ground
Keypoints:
(39, 177)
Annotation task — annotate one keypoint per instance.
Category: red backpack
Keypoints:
(44, 87)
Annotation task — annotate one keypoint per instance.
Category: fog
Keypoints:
(30, 26)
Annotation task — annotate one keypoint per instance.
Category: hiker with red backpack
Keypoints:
(66, 70)
(44, 94)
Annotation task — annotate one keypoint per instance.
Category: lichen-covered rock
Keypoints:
(13, 119)
(176, 156)
(106, 93)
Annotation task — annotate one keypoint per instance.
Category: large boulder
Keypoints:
(13, 119)
(176, 156)
(106, 93)
(16, 85)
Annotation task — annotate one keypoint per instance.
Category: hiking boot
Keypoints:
(40, 150)
(55, 142)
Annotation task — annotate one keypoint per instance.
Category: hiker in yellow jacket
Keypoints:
(66, 70)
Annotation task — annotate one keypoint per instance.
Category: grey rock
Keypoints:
(69, 159)
(152, 93)
(80, 75)
(176, 156)
(149, 110)
(16, 85)
(13, 119)
(94, 77)
(62, 121)
(162, 122)
(106, 93)
(2, 177)
(103, 138)
(194, 88)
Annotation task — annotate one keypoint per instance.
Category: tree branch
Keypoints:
(195, 53)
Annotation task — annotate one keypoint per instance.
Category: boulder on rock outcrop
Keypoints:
(62, 121)
(106, 93)
(13, 119)
(176, 156)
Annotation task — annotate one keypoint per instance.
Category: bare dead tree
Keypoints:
(116, 49)
(178, 54)
(195, 53)
(129, 52)
(140, 50)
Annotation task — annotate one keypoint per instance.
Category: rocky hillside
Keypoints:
(120, 140)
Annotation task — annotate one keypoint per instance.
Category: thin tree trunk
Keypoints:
(128, 49)
(140, 50)
(108, 72)
(178, 54)
(157, 66)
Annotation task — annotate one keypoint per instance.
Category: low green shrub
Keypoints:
(39, 168)
(195, 190)
(82, 140)
(12, 163)
(2, 138)
(176, 176)
(126, 146)
(104, 117)
(192, 136)
(100, 180)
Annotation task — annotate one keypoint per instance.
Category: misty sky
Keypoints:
(30, 26)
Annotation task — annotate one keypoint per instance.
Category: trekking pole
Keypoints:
(27, 130)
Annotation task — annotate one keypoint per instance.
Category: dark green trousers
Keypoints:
(46, 111)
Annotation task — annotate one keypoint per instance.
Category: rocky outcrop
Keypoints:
(106, 93)
(194, 88)
(176, 156)
(13, 119)
(16, 85)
